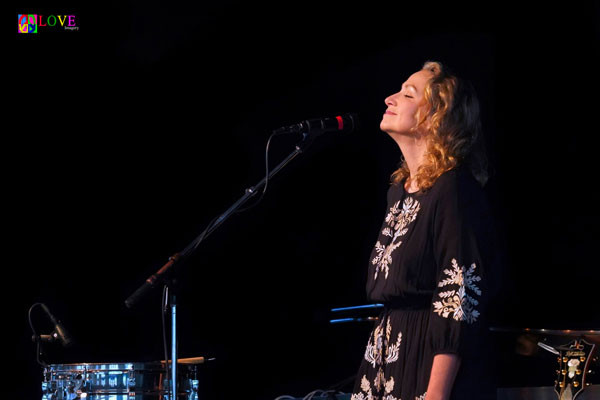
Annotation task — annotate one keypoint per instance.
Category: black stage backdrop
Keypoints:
(125, 138)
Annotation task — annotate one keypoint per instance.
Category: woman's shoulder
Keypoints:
(459, 178)
(396, 189)
(459, 183)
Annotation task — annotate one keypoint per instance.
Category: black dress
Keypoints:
(430, 267)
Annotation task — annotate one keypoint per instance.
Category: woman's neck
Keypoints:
(413, 152)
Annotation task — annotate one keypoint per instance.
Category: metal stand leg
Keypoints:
(173, 348)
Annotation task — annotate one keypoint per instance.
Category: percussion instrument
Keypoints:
(119, 381)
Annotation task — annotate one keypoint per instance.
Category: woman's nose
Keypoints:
(391, 100)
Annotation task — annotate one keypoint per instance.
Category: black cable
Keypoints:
(35, 336)
(29, 317)
(194, 245)
(342, 384)
(266, 175)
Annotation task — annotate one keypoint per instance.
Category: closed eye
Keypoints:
(410, 97)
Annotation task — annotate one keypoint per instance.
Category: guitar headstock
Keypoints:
(573, 368)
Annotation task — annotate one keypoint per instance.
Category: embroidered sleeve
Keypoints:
(458, 300)
(459, 295)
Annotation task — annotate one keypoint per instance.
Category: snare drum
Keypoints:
(116, 381)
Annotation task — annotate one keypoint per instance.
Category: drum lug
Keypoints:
(131, 382)
(194, 389)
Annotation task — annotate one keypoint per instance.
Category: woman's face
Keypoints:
(400, 116)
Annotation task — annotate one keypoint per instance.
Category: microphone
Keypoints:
(60, 332)
(315, 127)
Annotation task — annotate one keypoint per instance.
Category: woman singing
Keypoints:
(432, 261)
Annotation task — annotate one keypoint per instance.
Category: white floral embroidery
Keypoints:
(374, 351)
(379, 379)
(379, 383)
(393, 350)
(421, 397)
(374, 356)
(389, 386)
(397, 220)
(458, 302)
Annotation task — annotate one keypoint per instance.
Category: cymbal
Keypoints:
(557, 332)
(590, 335)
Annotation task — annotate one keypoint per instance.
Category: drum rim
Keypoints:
(108, 366)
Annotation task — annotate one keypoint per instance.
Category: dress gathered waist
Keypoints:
(408, 305)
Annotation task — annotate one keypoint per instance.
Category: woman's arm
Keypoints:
(443, 372)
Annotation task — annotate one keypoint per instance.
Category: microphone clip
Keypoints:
(53, 337)
(291, 129)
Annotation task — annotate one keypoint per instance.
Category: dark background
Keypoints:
(131, 134)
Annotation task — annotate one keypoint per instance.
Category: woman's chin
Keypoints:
(384, 126)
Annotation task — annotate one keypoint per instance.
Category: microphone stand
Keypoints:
(158, 277)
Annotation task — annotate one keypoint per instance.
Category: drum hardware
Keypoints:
(574, 358)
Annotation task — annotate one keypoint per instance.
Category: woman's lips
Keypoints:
(388, 112)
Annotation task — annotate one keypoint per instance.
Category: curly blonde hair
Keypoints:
(450, 117)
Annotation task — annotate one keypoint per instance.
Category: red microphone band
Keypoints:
(340, 122)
